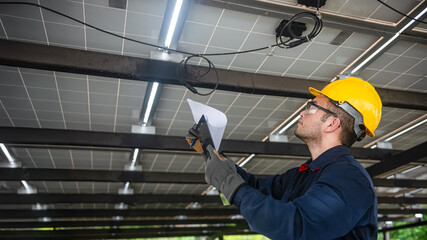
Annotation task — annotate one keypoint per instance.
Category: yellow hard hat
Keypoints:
(360, 95)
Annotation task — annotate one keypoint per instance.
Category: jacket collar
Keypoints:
(325, 158)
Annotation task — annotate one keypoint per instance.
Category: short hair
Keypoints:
(348, 136)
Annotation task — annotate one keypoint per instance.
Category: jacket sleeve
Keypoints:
(329, 209)
(274, 185)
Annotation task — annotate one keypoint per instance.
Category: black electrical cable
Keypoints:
(318, 25)
(282, 44)
(183, 68)
(401, 13)
(94, 27)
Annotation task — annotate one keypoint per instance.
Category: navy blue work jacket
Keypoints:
(331, 197)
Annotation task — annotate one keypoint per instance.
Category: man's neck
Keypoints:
(316, 149)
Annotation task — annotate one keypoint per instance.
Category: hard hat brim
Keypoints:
(314, 91)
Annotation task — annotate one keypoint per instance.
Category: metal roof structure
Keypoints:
(70, 96)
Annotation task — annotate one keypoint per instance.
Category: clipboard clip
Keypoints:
(204, 134)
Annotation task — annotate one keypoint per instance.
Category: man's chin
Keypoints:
(298, 135)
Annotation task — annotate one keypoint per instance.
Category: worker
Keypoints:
(330, 196)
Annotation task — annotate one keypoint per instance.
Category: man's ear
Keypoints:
(333, 123)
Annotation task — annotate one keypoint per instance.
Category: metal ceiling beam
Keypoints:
(279, 9)
(45, 174)
(121, 233)
(14, 135)
(88, 213)
(389, 163)
(94, 223)
(12, 198)
(52, 198)
(398, 219)
(401, 211)
(59, 213)
(126, 233)
(410, 225)
(49, 174)
(402, 200)
(30, 55)
(407, 183)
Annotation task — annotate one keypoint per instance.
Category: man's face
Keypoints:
(310, 124)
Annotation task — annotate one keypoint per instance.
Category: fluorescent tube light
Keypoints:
(247, 160)
(402, 132)
(26, 185)
(411, 169)
(45, 219)
(117, 218)
(409, 193)
(289, 124)
(374, 54)
(406, 130)
(173, 22)
(413, 20)
(387, 43)
(6, 152)
(135, 155)
(150, 102)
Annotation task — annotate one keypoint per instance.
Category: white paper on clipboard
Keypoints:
(216, 120)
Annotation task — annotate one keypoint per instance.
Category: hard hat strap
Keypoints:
(359, 127)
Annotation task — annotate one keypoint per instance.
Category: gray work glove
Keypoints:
(221, 173)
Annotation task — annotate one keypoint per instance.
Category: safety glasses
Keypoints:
(311, 108)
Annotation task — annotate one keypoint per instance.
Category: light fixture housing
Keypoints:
(173, 23)
(147, 110)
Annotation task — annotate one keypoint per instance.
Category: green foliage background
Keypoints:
(415, 233)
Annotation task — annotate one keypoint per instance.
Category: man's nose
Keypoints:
(303, 113)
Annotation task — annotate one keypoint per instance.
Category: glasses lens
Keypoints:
(311, 108)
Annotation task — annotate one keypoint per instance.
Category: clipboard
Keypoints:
(205, 134)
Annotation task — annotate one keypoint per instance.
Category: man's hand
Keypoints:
(221, 173)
